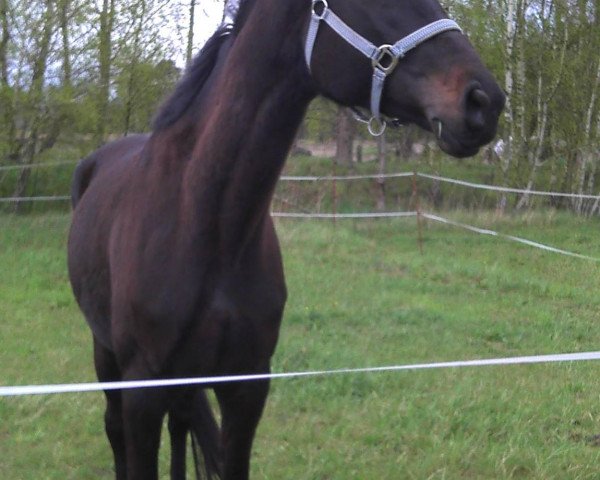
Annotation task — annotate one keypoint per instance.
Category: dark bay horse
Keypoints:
(173, 256)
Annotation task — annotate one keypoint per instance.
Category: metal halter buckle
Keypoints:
(320, 3)
(385, 60)
(377, 126)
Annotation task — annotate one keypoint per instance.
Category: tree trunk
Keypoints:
(544, 96)
(534, 157)
(190, 39)
(588, 147)
(4, 39)
(132, 87)
(506, 159)
(65, 7)
(107, 17)
(25, 174)
(7, 115)
(36, 98)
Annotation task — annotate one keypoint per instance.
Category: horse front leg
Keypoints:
(108, 371)
(113, 422)
(143, 413)
(241, 409)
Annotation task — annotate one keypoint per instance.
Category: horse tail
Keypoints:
(205, 439)
(84, 172)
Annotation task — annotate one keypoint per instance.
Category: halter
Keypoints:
(384, 58)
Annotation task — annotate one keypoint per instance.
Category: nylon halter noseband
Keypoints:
(384, 58)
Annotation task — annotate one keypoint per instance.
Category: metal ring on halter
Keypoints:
(325, 6)
(385, 59)
(377, 126)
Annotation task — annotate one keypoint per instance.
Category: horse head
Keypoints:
(404, 60)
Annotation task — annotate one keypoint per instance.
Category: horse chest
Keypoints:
(246, 320)
(214, 325)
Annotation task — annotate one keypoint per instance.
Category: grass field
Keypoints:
(361, 294)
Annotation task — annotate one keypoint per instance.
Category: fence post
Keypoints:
(334, 192)
(417, 203)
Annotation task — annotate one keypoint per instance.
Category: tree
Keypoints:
(64, 10)
(34, 102)
(4, 39)
(6, 97)
(140, 88)
(107, 22)
(190, 39)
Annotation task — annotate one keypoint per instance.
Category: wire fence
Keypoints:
(372, 215)
(10, 391)
(334, 178)
(453, 181)
(8, 168)
(339, 178)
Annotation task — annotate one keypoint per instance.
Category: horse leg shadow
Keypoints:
(178, 430)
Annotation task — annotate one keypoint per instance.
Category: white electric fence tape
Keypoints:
(342, 216)
(436, 218)
(33, 199)
(209, 381)
(494, 188)
(524, 241)
(346, 177)
(463, 183)
(7, 168)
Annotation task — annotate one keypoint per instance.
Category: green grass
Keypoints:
(361, 294)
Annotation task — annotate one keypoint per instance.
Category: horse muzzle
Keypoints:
(470, 121)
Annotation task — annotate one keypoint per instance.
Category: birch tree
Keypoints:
(549, 54)
(510, 62)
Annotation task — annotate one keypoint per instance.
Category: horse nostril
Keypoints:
(479, 97)
(477, 104)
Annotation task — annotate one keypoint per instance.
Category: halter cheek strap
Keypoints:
(384, 58)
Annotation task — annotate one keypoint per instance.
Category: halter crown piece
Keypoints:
(384, 58)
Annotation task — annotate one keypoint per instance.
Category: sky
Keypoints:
(207, 20)
(175, 25)
(208, 16)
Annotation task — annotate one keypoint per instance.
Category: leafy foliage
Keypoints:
(78, 89)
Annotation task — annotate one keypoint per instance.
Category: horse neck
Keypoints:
(256, 108)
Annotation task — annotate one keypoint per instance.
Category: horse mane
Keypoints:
(197, 73)
(242, 12)
(192, 82)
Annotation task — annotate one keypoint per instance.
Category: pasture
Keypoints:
(360, 294)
